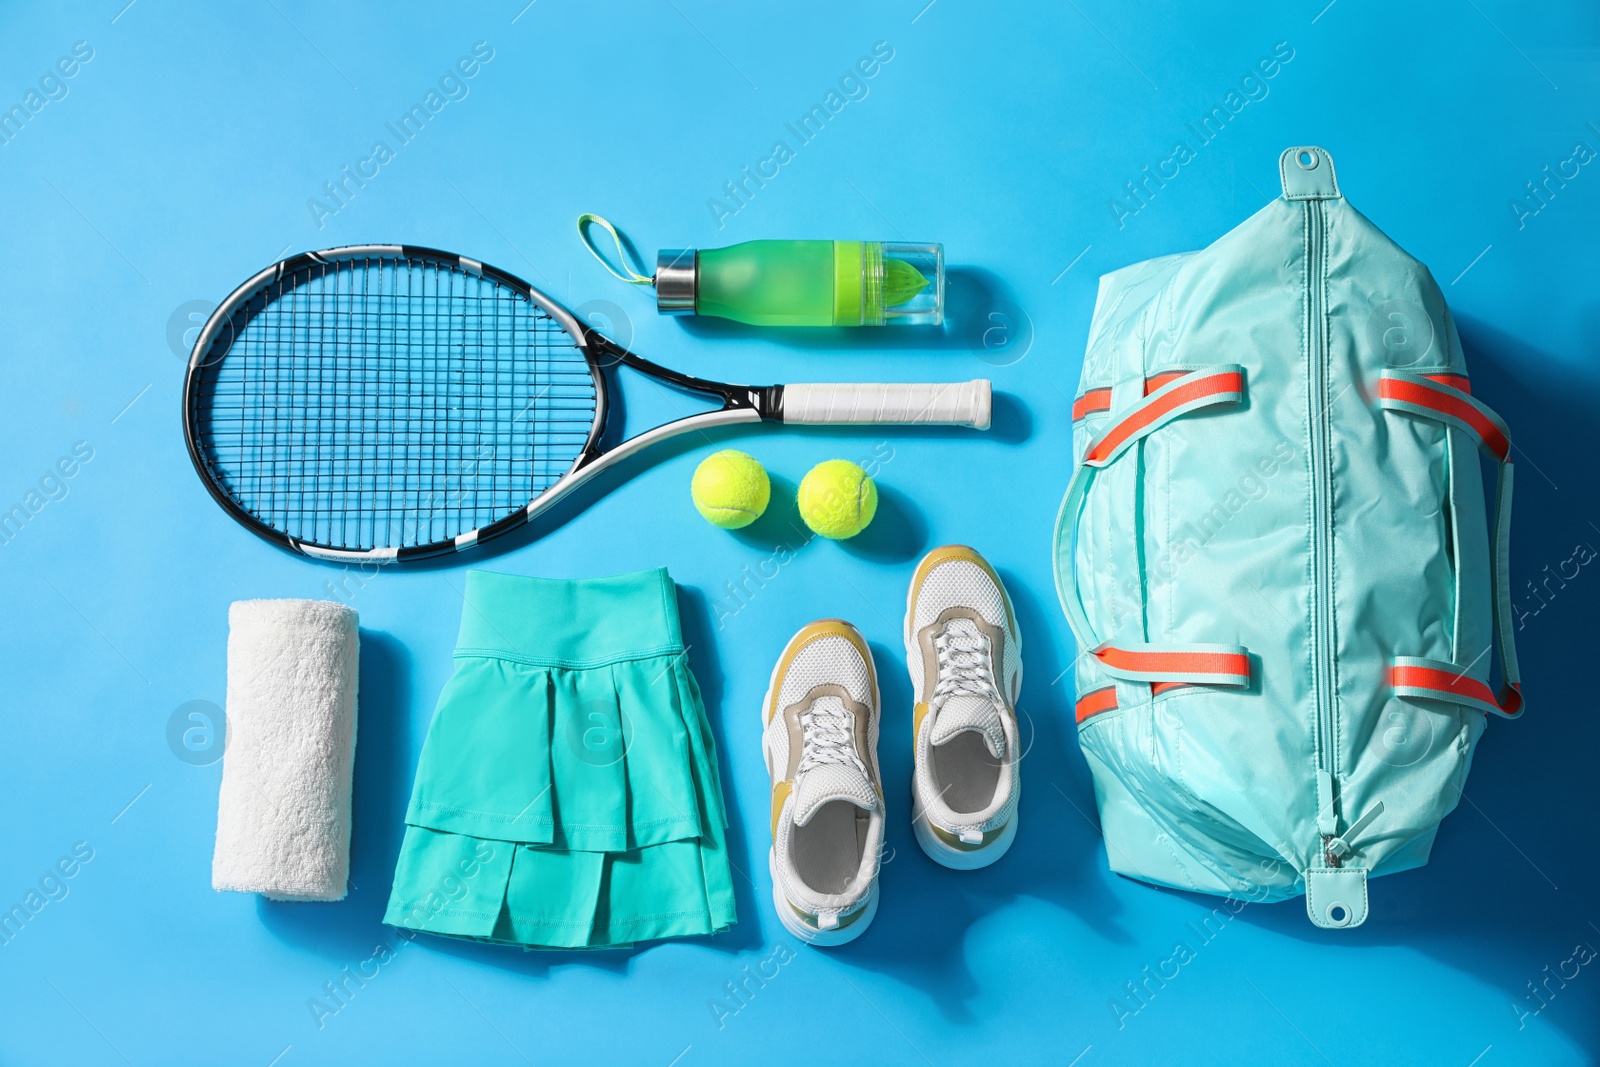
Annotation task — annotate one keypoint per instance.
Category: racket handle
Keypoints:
(931, 403)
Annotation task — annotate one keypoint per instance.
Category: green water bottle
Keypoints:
(806, 283)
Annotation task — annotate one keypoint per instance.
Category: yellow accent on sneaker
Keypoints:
(780, 796)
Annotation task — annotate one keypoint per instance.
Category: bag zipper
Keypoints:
(1322, 616)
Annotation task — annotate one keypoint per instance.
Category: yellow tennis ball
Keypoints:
(837, 499)
(730, 489)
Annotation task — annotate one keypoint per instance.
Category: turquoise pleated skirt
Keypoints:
(567, 795)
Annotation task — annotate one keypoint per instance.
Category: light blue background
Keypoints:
(181, 161)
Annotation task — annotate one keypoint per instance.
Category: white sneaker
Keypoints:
(821, 748)
(965, 658)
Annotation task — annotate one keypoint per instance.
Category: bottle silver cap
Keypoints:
(676, 280)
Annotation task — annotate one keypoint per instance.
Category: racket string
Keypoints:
(385, 402)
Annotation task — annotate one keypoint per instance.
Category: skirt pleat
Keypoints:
(475, 776)
(449, 883)
(659, 756)
(589, 797)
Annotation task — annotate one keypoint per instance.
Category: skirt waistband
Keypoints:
(570, 622)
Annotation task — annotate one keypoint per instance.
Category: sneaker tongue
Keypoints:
(964, 713)
(830, 782)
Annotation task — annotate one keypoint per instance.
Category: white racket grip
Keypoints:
(931, 403)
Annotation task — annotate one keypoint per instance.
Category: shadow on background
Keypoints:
(898, 532)
(1511, 887)
(779, 529)
(348, 930)
(919, 935)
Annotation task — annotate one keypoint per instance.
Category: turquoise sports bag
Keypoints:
(1275, 558)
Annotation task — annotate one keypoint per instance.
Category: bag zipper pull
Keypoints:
(1327, 821)
(1337, 847)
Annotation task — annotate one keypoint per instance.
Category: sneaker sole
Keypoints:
(810, 934)
(960, 859)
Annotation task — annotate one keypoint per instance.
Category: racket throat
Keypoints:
(765, 400)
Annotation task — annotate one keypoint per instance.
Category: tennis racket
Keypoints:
(387, 402)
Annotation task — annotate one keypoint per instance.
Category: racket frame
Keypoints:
(740, 403)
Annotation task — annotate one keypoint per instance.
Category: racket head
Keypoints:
(389, 402)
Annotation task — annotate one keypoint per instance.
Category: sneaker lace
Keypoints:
(964, 664)
(828, 737)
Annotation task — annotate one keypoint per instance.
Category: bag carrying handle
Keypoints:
(1194, 664)
(1426, 679)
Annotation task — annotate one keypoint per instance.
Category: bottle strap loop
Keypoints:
(632, 277)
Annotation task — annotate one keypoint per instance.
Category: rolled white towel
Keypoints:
(283, 817)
